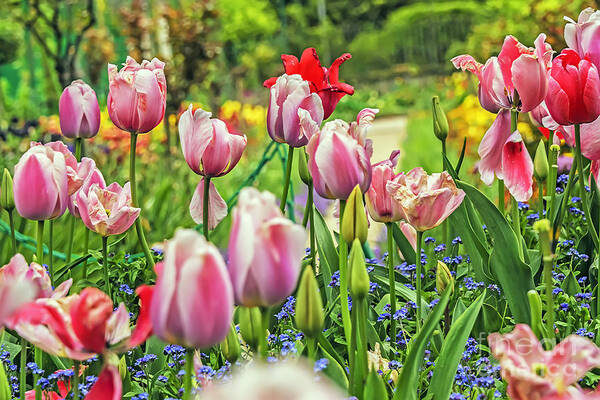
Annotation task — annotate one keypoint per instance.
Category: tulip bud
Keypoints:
(309, 306)
(535, 309)
(540, 162)
(303, 168)
(354, 221)
(440, 122)
(122, 367)
(230, 347)
(251, 325)
(443, 278)
(7, 200)
(359, 278)
(544, 231)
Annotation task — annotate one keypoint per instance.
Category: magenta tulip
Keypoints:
(192, 304)
(137, 95)
(517, 168)
(107, 211)
(93, 176)
(289, 94)
(583, 36)
(381, 206)
(574, 89)
(79, 111)
(265, 250)
(41, 185)
(339, 155)
(532, 373)
(427, 200)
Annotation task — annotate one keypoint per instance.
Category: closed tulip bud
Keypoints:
(303, 168)
(440, 122)
(544, 231)
(443, 278)
(359, 278)
(309, 306)
(540, 162)
(354, 221)
(7, 200)
(79, 111)
(123, 367)
(535, 309)
(230, 347)
(251, 325)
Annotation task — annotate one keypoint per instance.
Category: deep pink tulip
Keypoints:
(107, 211)
(137, 95)
(535, 374)
(79, 111)
(93, 176)
(573, 89)
(192, 304)
(381, 206)
(517, 168)
(427, 200)
(339, 154)
(41, 185)
(289, 94)
(265, 250)
(583, 36)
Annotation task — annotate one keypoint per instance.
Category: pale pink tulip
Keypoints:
(107, 211)
(517, 168)
(217, 207)
(583, 36)
(289, 95)
(192, 304)
(93, 176)
(427, 200)
(79, 111)
(16, 287)
(265, 250)
(535, 374)
(137, 95)
(339, 155)
(410, 233)
(381, 206)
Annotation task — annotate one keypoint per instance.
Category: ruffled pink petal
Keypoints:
(490, 148)
(517, 168)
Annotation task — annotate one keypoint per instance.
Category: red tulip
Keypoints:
(323, 81)
(574, 89)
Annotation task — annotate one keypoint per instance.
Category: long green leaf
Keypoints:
(375, 388)
(4, 387)
(405, 247)
(452, 350)
(511, 273)
(406, 388)
(327, 253)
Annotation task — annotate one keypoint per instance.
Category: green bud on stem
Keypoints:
(309, 306)
(354, 221)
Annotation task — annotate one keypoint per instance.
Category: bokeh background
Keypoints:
(218, 53)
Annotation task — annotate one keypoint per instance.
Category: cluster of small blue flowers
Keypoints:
(471, 284)
(561, 182)
(584, 332)
(175, 355)
(126, 289)
(11, 369)
(288, 309)
(476, 377)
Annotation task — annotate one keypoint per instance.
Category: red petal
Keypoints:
(333, 71)
(270, 82)
(311, 70)
(544, 131)
(143, 327)
(108, 386)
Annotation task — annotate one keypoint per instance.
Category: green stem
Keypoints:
(352, 353)
(311, 217)
(70, 238)
(343, 264)
(541, 199)
(306, 216)
(78, 148)
(516, 221)
(419, 268)
(105, 265)
(361, 326)
(86, 247)
(40, 242)
(584, 195)
(205, 206)
(312, 348)
(51, 252)
(288, 174)
(76, 368)
(263, 345)
(37, 355)
(549, 295)
(189, 372)
(501, 195)
(392, 279)
(23, 369)
(138, 222)
(11, 220)
(567, 195)
(443, 154)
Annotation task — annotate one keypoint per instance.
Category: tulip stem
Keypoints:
(311, 344)
(352, 353)
(582, 181)
(263, 346)
(343, 266)
(567, 194)
(78, 148)
(392, 278)
(419, 268)
(76, 369)
(51, 251)
(288, 174)
(70, 238)
(11, 220)
(311, 217)
(516, 220)
(37, 355)
(23, 369)
(549, 296)
(138, 221)
(541, 198)
(86, 244)
(205, 206)
(40, 242)
(501, 195)
(189, 372)
(105, 265)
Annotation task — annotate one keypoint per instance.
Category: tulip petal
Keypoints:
(108, 386)
(490, 148)
(217, 208)
(143, 326)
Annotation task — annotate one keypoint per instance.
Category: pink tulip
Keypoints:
(289, 94)
(533, 373)
(137, 95)
(79, 111)
(93, 176)
(217, 207)
(192, 304)
(76, 172)
(573, 89)
(16, 287)
(339, 155)
(590, 140)
(517, 168)
(265, 250)
(381, 206)
(107, 211)
(409, 233)
(427, 200)
(583, 36)
(41, 185)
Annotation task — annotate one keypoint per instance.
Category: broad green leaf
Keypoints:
(462, 156)
(335, 371)
(406, 389)
(327, 253)
(375, 388)
(328, 348)
(452, 350)
(405, 247)
(4, 386)
(570, 285)
(512, 274)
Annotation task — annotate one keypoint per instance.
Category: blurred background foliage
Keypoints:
(218, 53)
